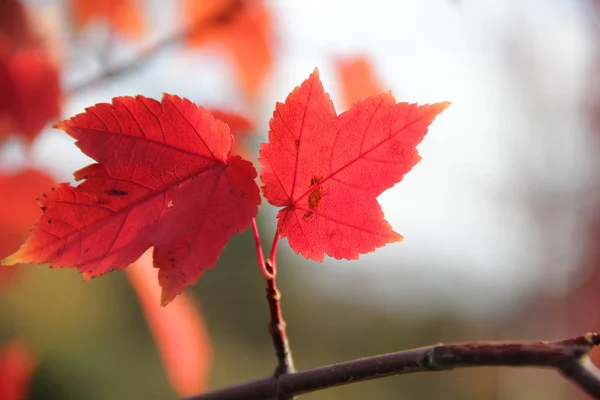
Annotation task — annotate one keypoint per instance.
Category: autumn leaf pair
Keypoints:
(166, 177)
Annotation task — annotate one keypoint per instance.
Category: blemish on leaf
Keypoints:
(297, 143)
(49, 221)
(170, 204)
(315, 196)
(116, 192)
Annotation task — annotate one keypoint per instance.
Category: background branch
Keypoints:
(219, 17)
(569, 356)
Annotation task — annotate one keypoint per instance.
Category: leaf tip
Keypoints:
(11, 260)
(443, 105)
(62, 125)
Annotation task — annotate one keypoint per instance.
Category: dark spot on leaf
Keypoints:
(86, 250)
(172, 259)
(308, 214)
(315, 179)
(297, 143)
(44, 195)
(49, 221)
(43, 208)
(315, 196)
(116, 192)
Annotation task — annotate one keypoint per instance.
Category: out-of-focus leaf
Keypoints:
(178, 330)
(240, 127)
(18, 210)
(243, 28)
(31, 95)
(357, 78)
(17, 364)
(123, 16)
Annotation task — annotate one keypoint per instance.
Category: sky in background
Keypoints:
(516, 73)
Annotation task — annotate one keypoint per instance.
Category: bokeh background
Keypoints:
(501, 218)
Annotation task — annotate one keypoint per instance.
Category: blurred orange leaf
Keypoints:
(178, 330)
(123, 16)
(16, 369)
(243, 28)
(358, 79)
(239, 127)
(18, 210)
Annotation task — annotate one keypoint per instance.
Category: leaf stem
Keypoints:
(259, 252)
(570, 357)
(273, 253)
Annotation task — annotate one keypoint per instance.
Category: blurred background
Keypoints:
(501, 218)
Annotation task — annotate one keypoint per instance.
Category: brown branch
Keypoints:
(570, 357)
(220, 17)
(277, 329)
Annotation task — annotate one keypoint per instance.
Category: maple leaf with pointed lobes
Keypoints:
(327, 170)
(165, 177)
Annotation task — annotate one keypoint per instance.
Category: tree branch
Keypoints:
(277, 325)
(220, 17)
(569, 356)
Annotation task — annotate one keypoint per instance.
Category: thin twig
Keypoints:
(259, 252)
(273, 254)
(570, 357)
(277, 325)
(219, 17)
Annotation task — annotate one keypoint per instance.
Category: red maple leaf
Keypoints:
(123, 16)
(165, 177)
(243, 28)
(187, 355)
(327, 170)
(16, 369)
